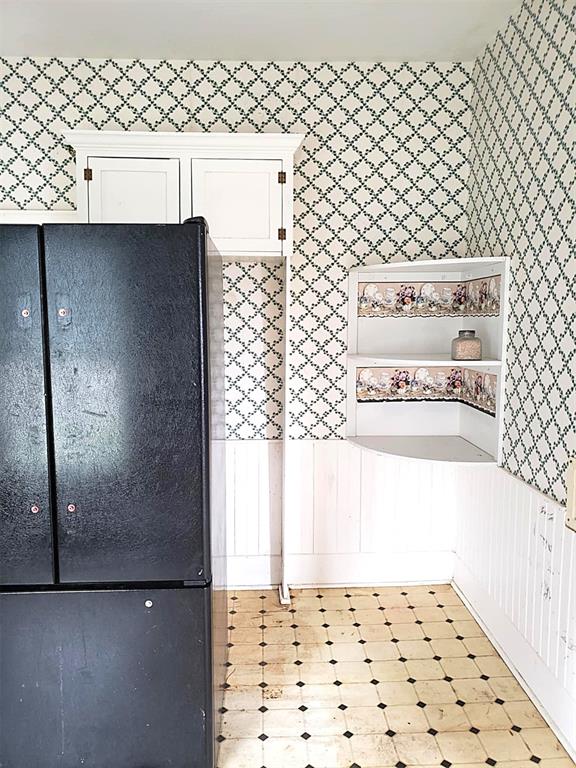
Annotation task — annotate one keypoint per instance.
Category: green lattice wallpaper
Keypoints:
(523, 204)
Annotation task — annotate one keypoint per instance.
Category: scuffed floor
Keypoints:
(372, 678)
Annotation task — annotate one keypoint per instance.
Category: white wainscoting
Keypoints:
(516, 567)
(253, 504)
(353, 516)
(358, 517)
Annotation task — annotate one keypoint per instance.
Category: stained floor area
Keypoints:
(373, 678)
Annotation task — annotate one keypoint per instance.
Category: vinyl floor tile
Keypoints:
(365, 720)
(329, 722)
(406, 719)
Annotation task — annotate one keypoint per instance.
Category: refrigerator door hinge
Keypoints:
(281, 177)
(87, 174)
(281, 234)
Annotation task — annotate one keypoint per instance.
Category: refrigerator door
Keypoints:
(105, 679)
(25, 522)
(127, 335)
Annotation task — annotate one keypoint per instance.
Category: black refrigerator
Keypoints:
(112, 553)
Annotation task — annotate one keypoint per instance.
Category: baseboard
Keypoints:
(253, 571)
(553, 701)
(335, 570)
(369, 568)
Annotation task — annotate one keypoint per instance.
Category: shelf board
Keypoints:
(394, 359)
(452, 448)
(232, 258)
(434, 265)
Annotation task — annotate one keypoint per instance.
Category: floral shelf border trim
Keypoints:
(469, 298)
(464, 385)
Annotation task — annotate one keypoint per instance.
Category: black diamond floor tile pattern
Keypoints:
(385, 677)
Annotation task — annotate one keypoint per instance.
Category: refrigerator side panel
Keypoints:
(25, 515)
(128, 365)
(105, 678)
(217, 480)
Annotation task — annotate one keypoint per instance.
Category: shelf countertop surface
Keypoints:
(417, 358)
(483, 263)
(451, 448)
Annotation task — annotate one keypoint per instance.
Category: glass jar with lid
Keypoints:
(466, 346)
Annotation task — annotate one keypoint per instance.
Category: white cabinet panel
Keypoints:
(133, 189)
(242, 202)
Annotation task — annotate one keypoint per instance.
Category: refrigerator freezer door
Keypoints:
(25, 524)
(129, 386)
(105, 679)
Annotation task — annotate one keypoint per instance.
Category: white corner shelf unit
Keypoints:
(405, 394)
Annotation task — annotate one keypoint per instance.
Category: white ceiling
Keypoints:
(256, 30)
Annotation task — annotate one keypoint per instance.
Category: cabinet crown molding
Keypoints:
(145, 142)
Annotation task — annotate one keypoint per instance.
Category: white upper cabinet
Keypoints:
(242, 202)
(133, 189)
(241, 183)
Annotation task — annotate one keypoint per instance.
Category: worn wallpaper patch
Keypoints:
(381, 176)
(523, 204)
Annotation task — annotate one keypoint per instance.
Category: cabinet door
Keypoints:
(127, 358)
(105, 679)
(132, 189)
(242, 202)
(25, 524)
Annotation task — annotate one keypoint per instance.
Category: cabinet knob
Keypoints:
(63, 312)
(34, 508)
(25, 313)
(71, 507)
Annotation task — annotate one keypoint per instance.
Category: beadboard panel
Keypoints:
(356, 516)
(516, 566)
(352, 515)
(253, 504)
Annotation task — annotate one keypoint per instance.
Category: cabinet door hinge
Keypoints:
(281, 234)
(281, 177)
(87, 174)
